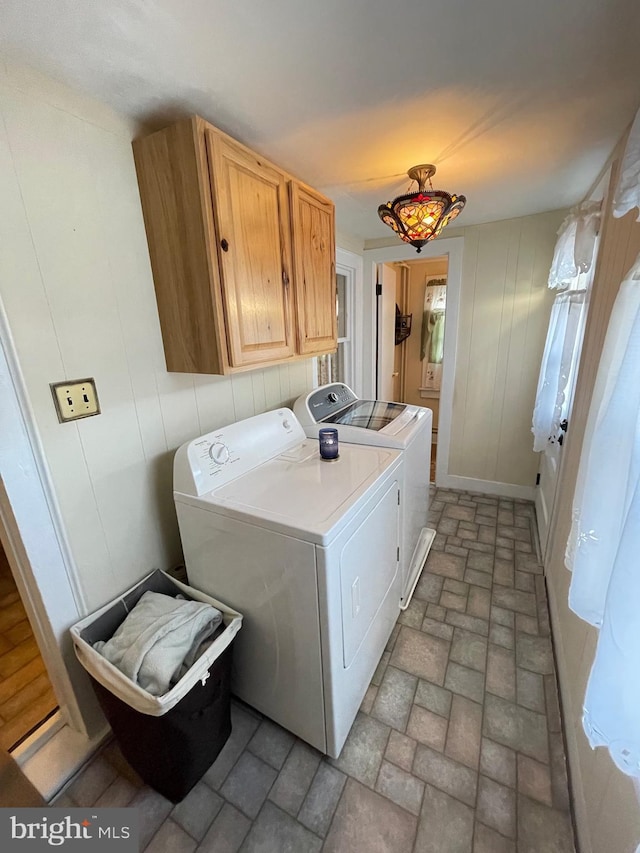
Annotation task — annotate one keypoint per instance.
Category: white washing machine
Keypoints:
(381, 424)
(308, 551)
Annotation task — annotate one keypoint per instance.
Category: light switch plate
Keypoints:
(75, 399)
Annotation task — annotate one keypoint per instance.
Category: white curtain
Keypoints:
(604, 544)
(563, 266)
(575, 246)
(588, 224)
(627, 193)
(432, 340)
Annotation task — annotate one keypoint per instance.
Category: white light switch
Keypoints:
(75, 399)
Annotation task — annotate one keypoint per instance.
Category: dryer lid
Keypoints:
(368, 414)
(299, 493)
(337, 403)
(207, 462)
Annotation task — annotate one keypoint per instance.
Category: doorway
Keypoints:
(411, 316)
(26, 695)
(35, 544)
(440, 261)
(421, 361)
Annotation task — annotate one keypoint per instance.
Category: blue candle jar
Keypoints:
(328, 438)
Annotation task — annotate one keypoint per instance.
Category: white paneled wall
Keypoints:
(504, 314)
(76, 284)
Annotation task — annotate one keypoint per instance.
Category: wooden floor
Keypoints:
(26, 697)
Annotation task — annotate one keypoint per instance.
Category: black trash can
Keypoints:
(169, 740)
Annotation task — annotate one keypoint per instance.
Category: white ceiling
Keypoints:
(518, 102)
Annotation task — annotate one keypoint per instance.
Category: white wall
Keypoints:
(349, 243)
(76, 285)
(504, 315)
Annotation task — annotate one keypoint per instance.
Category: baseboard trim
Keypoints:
(56, 755)
(487, 487)
(579, 812)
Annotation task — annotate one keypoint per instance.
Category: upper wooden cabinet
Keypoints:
(312, 219)
(242, 253)
(254, 242)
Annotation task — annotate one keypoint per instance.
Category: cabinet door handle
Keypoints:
(224, 245)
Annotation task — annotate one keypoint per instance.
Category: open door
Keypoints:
(571, 275)
(386, 326)
(546, 484)
(568, 318)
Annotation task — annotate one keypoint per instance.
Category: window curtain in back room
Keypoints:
(432, 337)
(570, 274)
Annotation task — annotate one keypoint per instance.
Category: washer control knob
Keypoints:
(286, 424)
(332, 397)
(219, 452)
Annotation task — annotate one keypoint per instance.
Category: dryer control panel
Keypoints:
(328, 400)
(218, 457)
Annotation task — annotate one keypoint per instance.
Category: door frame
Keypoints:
(453, 248)
(349, 265)
(36, 545)
(382, 303)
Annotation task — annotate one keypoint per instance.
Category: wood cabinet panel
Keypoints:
(172, 173)
(250, 200)
(313, 226)
(242, 254)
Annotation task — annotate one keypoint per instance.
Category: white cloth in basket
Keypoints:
(160, 639)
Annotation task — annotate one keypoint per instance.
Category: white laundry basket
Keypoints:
(169, 740)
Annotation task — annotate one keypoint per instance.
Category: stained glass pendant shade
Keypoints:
(420, 216)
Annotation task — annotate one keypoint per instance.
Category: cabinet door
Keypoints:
(173, 177)
(315, 280)
(254, 249)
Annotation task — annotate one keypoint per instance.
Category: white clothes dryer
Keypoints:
(382, 424)
(308, 551)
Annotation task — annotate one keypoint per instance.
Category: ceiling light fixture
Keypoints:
(420, 216)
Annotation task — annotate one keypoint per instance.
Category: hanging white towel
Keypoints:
(605, 538)
(612, 702)
(603, 487)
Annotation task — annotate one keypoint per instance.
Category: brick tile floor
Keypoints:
(457, 747)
